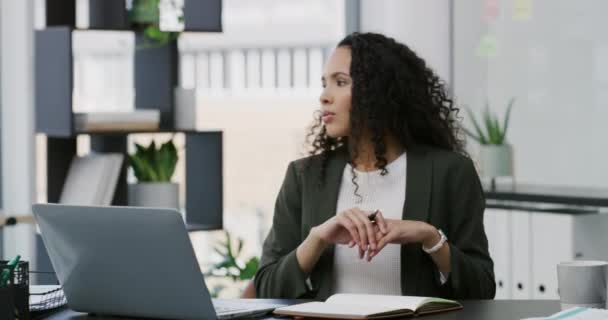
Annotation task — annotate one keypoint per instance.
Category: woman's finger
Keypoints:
(381, 222)
(386, 239)
(369, 227)
(352, 216)
(350, 227)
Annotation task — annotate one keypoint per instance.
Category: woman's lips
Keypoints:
(328, 117)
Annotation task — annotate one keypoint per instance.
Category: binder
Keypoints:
(552, 243)
(521, 253)
(498, 229)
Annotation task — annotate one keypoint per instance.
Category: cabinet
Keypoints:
(527, 245)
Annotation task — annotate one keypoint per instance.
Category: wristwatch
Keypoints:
(439, 244)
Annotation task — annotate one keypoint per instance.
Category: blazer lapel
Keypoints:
(328, 199)
(417, 201)
(417, 186)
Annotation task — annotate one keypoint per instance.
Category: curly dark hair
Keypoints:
(394, 92)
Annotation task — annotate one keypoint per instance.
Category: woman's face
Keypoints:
(336, 95)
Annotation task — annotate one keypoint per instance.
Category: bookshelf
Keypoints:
(155, 77)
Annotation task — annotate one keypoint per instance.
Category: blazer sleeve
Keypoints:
(279, 275)
(472, 269)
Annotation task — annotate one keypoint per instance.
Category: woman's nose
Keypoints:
(325, 98)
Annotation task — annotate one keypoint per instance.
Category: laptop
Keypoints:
(130, 261)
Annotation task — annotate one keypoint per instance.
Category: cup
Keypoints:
(582, 283)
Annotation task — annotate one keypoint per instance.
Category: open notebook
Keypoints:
(363, 306)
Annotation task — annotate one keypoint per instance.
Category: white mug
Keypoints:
(582, 283)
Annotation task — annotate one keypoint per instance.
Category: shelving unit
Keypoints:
(155, 75)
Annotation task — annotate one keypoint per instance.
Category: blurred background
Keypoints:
(241, 84)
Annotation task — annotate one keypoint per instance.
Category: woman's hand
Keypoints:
(352, 227)
(406, 231)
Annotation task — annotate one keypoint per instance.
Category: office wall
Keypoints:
(421, 24)
(552, 55)
(1, 205)
(16, 27)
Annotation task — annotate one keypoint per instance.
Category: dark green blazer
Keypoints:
(442, 188)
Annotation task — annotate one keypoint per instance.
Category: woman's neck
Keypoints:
(366, 158)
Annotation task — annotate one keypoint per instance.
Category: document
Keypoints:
(363, 306)
(577, 313)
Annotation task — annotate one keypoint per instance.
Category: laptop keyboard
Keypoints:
(223, 306)
(239, 307)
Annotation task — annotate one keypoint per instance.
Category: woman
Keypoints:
(387, 183)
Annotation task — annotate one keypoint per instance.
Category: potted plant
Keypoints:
(145, 16)
(232, 265)
(495, 154)
(153, 167)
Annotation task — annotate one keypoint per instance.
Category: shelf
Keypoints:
(199, 15)
(574, 196)
(126, 132)
(155, 79)
(200, 227)
(203, 159)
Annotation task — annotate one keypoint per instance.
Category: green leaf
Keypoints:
(240, 247)
(506, 120)
(142, 169)
(250, 269)
(489, 125)
(145, 11)
(497, 132)
(166, 161)
(154, 165)
(229, 244)
(482, 137)
(220, 251)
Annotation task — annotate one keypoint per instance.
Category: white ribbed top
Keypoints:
(383, 274)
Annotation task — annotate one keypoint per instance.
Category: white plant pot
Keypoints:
(496, 160)
(154, 194)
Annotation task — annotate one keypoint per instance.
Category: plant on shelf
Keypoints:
(494, 134)
(231, 264)
(145, 16)
(153, 167)
(495, 153)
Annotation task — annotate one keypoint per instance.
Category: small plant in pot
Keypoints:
(153, 167)
(232, 265)
(495, 153)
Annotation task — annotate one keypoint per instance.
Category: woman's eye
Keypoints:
(341, 83)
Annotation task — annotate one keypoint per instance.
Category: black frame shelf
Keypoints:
(199, 15)
(203, 165)
(155, 77)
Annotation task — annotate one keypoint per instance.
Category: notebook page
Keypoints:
(391, 302)
(351, 311)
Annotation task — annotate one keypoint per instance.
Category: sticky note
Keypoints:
(490, 10)
(522, 10)
(487, 47)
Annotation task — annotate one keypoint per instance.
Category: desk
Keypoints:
(473, 309)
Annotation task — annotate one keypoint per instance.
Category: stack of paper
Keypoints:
(138, 120)
(92, 179)
(577, 313)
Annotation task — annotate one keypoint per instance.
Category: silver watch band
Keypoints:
(439, 244)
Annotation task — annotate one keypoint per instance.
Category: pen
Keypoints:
(372, 216)
(6, 273)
